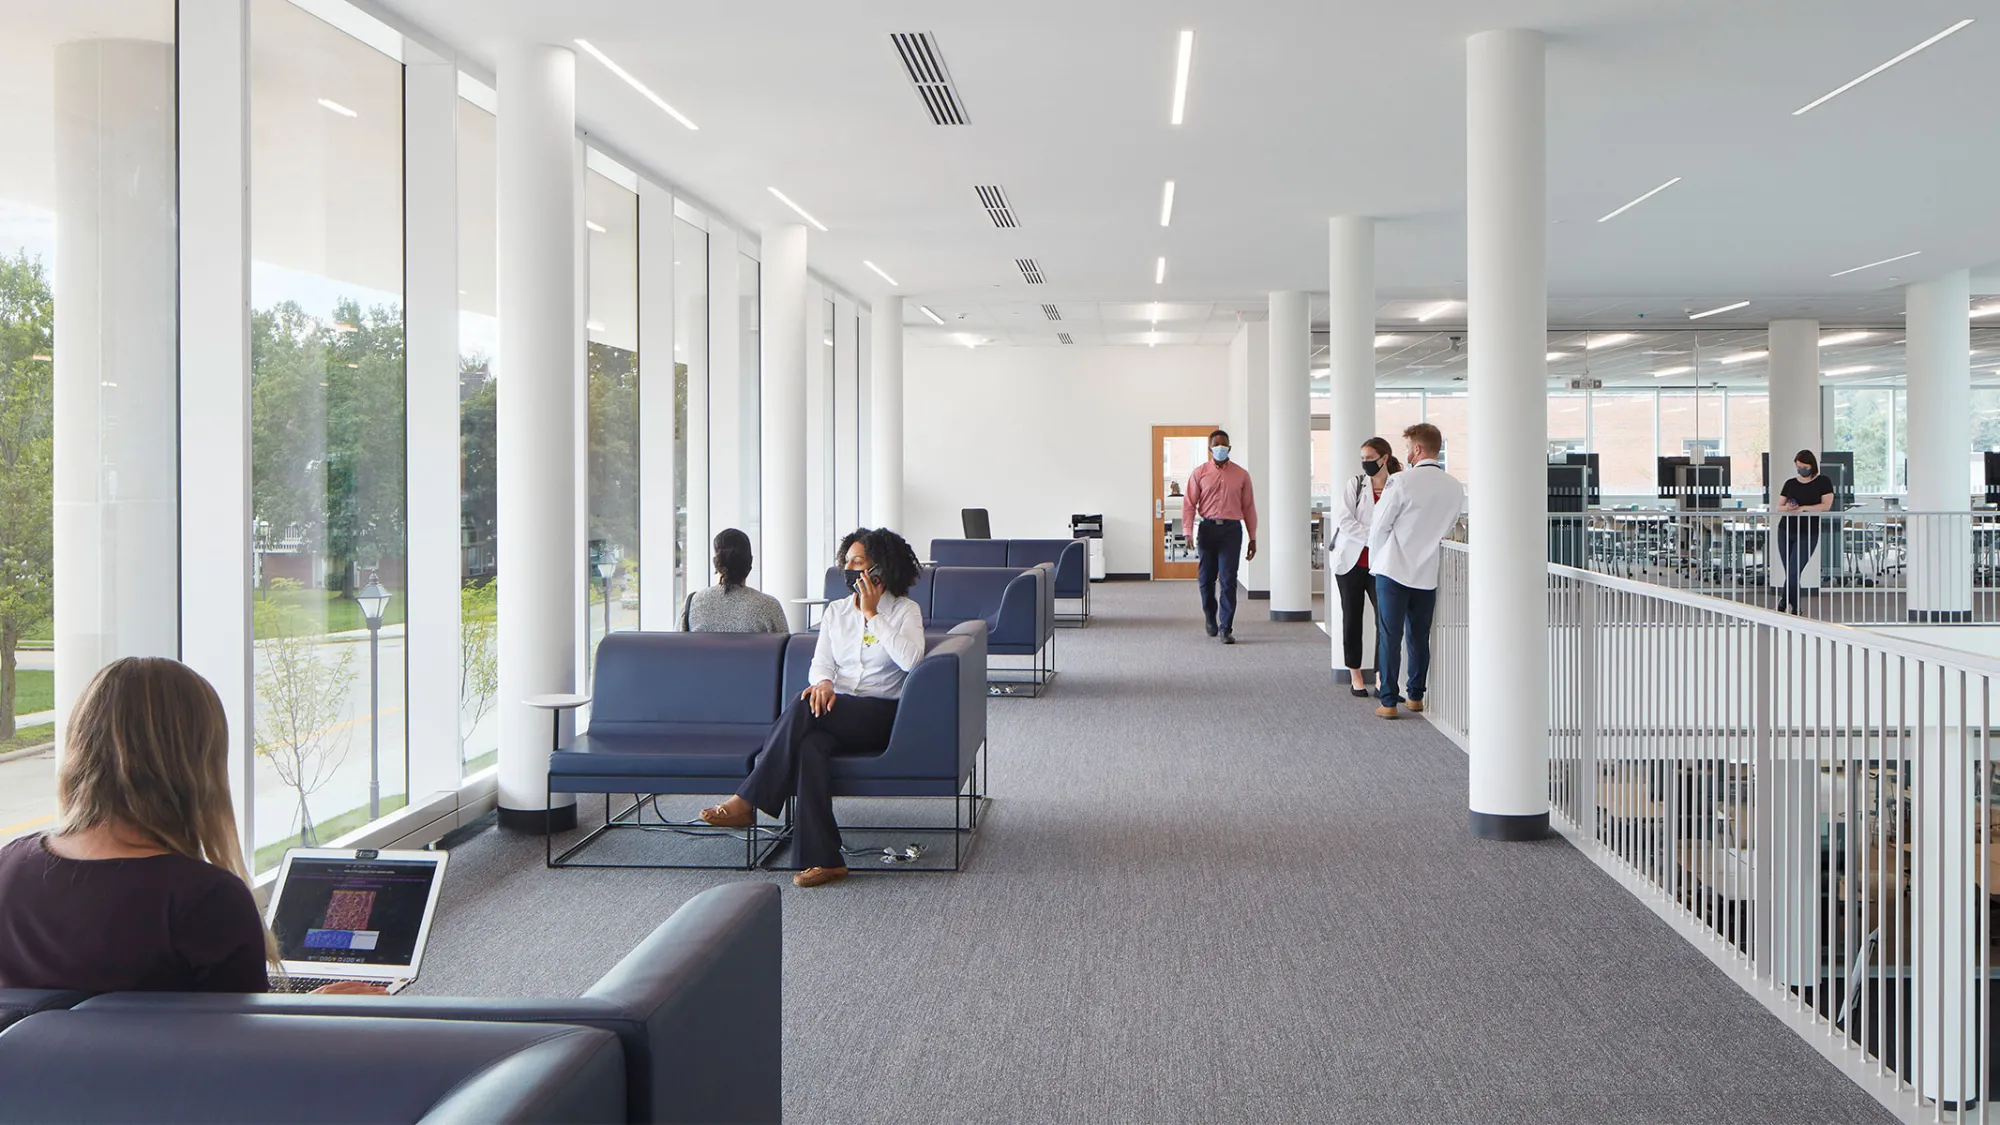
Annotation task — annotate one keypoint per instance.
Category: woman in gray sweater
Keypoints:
(730, 606)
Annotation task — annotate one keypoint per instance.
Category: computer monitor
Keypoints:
(1667, 478)
(1992, 477)
(1589, 461)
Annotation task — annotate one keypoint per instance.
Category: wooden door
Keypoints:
(1176, 452)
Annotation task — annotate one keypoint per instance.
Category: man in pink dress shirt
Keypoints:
(1218, 494)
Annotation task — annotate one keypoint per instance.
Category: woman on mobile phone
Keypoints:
(868, 643)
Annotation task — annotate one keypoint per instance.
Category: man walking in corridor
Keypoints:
(1419, 507)
(1218, 494)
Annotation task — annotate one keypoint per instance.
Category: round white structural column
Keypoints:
(885, 414)
(1350, 379)
(541, 341)
(116, 462)
(1507, 333)
(1287, 485)
(783, 425)
(1939, 441)
(1795, 417)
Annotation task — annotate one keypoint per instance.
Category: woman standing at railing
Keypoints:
(1348, 558)
(1801, 499)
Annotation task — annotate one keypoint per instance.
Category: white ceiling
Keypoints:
(1301, 109)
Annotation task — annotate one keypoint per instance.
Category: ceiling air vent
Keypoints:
(1064, 337)
(1052, 312)
(993, 197)
(925, 64)
(1029, 270)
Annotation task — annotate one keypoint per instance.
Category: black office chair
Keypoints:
(977, 526)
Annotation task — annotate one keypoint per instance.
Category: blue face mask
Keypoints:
(1219, 452)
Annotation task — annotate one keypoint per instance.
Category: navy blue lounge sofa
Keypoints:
(686, 713)
(1017, 604)
(687, 1028)
(1069, 557)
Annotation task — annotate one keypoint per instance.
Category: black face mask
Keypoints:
(1370, 468)
(854, 577)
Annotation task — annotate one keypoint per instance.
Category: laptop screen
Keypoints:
(345, 911)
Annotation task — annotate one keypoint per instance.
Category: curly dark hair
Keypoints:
(732, 556)
(893, 556)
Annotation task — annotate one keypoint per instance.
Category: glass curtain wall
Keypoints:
(751, 384)
(327, 440)
(611, 565)
(1866, 422)
(690, 407)
(830, 464)
(88, 340)
(478, 440)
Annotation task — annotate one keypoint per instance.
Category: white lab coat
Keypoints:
(1420, 506)
(1350, 538)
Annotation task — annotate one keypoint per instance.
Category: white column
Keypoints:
(885, 405)
(1939, 444)
(1350, 348)
(1287, 483)
(431, 431)
(215, 520)
(117, 585)
(539, 336)
(1252, 435)
(784, 342)
(1795, 414)
(659, 604)
(1507, 332)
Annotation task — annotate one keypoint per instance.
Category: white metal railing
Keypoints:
(1854, 567)
(1813, 805)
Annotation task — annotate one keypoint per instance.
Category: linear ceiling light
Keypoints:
(1840, 338)
(786, 200)
(1723, 309)
(1167, 204)
(1553, 356)
(1385, 340)
(1181, 76)
(1872, 265)
(1817, 102)
(1160, 272)
(878, 271)
(1438, 309)
(1640, 200)
(1854, 370)
(1987, 310)
(1611, 340)
(935, 318)
(593, 226)
(1668, 372)
(338, 108)
(620, 71)
(594, 325)
(1745, 357)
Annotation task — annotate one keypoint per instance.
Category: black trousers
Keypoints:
(796, 761)
(1354, 586)
(1220, 543)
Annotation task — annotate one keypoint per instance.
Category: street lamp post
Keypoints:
(373, 599)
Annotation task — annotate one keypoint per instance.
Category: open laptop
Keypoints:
(347, 915)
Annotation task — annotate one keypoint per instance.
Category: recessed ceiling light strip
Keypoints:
(1817, 102)
(1167, 204)
(935, 318)
(1872, 265)
(1723, 309)
(1640, 200)
(786, 200)
(1160, 272)
(338, 108)
(1181, 76)
(1438, 309)
(620, 71)
(878, 271)
(1840, 338)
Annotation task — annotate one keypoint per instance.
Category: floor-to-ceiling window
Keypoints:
(478, 440)
(327, 440)
(749, 303)
(611, 565)
(830, 338)
(1865, 424)
(690, 408)
(88, 344)
(1622, 437)
(1749, 437)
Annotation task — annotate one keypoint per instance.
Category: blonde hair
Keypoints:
(147, 750)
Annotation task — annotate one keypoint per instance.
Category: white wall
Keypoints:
(1037, 434)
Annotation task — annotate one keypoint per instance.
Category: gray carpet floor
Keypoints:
(1211, 888)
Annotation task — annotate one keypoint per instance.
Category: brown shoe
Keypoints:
(1414, 704)
(720, 819)
(819, 876)
(1385, 712)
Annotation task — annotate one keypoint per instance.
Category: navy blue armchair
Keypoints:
(969, 552)
(1016, 603)
(1070, 559)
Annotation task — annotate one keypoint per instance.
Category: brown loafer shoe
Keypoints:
(720, 819)
(1414, 704)
(1385, 712)
(819, 876)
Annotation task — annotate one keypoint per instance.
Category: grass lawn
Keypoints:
(337, 610)
(325, 830)
(33, 691)
(29, 736)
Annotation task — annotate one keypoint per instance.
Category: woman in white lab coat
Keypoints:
(1347, 559)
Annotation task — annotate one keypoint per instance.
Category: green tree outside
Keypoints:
(27, 462)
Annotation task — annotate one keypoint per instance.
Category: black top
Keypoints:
(1806, 493)
(163, 923)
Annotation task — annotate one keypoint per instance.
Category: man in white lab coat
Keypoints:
(1419, 507)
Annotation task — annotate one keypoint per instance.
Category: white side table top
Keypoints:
(557, 702)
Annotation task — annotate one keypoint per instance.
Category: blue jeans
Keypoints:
(1402, 612)
(1221, 545)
